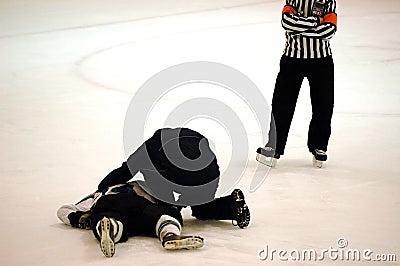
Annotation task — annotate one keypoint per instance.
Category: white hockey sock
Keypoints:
(117, 226)
(167, 224)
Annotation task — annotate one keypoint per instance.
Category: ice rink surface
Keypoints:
(68, 70)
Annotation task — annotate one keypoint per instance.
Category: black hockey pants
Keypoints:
(138, 215)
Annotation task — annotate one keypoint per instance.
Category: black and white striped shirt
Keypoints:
(306, 37)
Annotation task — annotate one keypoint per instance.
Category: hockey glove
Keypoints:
(80, 219)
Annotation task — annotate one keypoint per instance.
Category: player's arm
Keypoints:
(295, 24)
(117, 176)
(328, 25)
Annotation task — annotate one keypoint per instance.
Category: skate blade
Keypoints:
(268, 161)
(106, 243)
(192, 242)
(317, 163)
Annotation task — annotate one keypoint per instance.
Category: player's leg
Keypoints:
(232, 207)
(165, 222)
(112, 221)
(109, 229)
(321, 79)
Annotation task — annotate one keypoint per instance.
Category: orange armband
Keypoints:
(330, 18)
(289, 9)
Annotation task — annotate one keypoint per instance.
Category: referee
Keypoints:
(309, 26)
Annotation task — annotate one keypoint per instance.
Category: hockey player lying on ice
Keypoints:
(118, 210)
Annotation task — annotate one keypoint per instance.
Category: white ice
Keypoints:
(68, 70)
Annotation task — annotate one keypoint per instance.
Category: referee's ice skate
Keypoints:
(319, 157)
(267, 156)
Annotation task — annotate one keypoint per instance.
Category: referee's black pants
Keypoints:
(320, 75)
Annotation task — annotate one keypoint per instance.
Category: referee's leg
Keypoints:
(321, 80)
(286, 92)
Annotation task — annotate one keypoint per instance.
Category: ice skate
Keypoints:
(107, 229)
(172, 241)
(319, 157)
(240, 208)
(267, 156)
